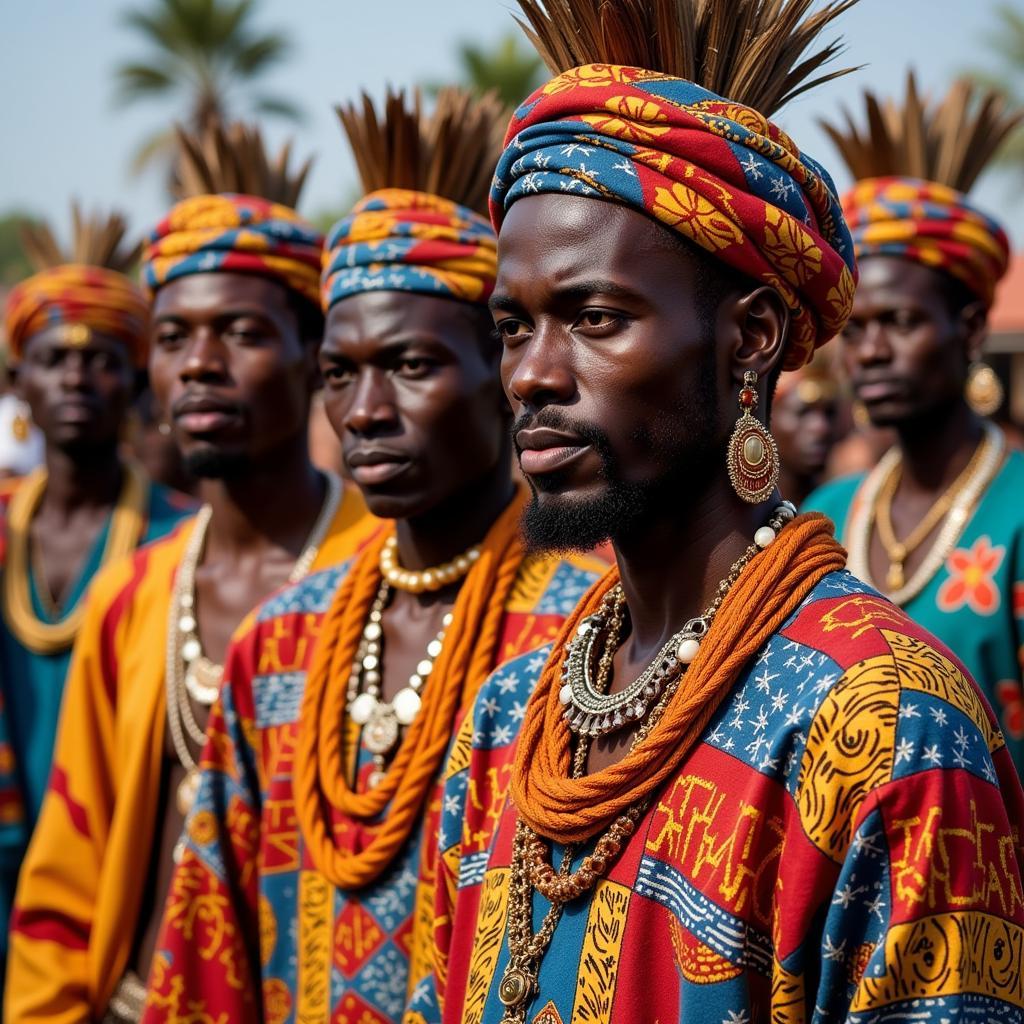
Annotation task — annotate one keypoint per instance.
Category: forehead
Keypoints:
(892, 281)
(53, 338)
(204, 296)
(554, 240)
(374, 319)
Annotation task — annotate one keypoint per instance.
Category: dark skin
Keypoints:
(79, 396)
(907, 355)
(804, 423)
(234, 377)
(411, 388)
(597, 313)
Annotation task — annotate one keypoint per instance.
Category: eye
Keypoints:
(510, 331)
(169, 337)
(244, 333)
(338, 376)
(414, 367)
(904, 319)
(599, 323)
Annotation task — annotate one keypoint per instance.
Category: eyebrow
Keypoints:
(575, 292)
(220, 315)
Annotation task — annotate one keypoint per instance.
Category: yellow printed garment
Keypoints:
(252, 930)
(81, 884)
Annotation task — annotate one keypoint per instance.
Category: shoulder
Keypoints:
(834, 497)
(553, 584)
(870, 698)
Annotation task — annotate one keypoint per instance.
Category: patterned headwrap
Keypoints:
(96, 298)
(931, 224)
(717, 172)
(239, 233)
(400, 240)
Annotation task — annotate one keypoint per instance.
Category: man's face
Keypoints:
(229, 369)
(904, 350)
(610, 368)
(804, 422)
(80, 393)
(412, 391)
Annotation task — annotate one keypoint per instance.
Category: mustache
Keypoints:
(554, 419)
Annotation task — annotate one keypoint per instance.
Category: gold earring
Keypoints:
(21, 424)
(984, 389)
(753, 455)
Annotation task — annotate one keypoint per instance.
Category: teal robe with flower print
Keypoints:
(975, 602)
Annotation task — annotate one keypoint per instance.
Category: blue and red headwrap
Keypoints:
(719, 173)
(401, 240)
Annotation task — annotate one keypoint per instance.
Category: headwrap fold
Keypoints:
(235, 233)
(76, 293)
(719, 173)
(402, 240)
(930, 224)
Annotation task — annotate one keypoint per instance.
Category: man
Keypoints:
(315, 831)
(805, 422)
(938, 524)
(235, 330)
(77, 337)
(742, 778)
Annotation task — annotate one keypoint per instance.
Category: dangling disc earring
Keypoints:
(984, 389)
(753, 455)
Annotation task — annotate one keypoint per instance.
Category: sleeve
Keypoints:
(48, 961)
(206, 963)
(925, 921)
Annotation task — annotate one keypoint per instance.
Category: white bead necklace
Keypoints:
(382, 721)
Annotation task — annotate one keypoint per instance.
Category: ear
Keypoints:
(974, 325)
(758, 324)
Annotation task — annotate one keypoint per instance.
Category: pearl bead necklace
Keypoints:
(381, 721)
(589, 711)
(424, 580)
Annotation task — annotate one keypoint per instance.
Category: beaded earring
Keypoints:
(753, 455)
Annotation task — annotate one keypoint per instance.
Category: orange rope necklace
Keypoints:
(321, 781)
(768, 591)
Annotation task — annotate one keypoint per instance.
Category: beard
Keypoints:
(684, 441)
(211, 464)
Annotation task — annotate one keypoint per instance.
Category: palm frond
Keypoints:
(450, 152)
(950, 142)
(97, 240)
(233, 158)
(750, 51)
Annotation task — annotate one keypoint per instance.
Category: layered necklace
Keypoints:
(591, 711)
(189, 673)
(952, 509)
(127, 522)
(382, 721)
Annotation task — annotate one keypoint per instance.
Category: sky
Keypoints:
(64, 135)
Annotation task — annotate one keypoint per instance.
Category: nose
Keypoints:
(538, 372)
(372, 404)
(873, 345)
(74, 371)
(205, 357)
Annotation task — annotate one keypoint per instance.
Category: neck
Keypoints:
(89, 478)
(935, 448)
(456, 523)
(274, 504)
(796, 487)
(671, 565)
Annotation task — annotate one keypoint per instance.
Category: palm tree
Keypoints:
(508, 67)
(1006, 73)
(202, 51)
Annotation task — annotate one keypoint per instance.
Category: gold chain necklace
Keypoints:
(184, 650)
(126, 525)
(863, 514)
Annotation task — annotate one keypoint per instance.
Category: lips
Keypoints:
(878, 390)
(204, 414)
(374, 466)
(75, 412)
(545, 451)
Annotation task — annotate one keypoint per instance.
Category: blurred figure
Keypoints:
(938, 523)
(78, 334)
(805, 422)
(151, 440)
(22, 445)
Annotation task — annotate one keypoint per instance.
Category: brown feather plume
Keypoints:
(450, 152)
(749, 51)
(97, 240)
(233, 158)
(950, 142)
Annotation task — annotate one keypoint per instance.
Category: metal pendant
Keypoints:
(381, 733)
(188, 790)
(515, 987)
